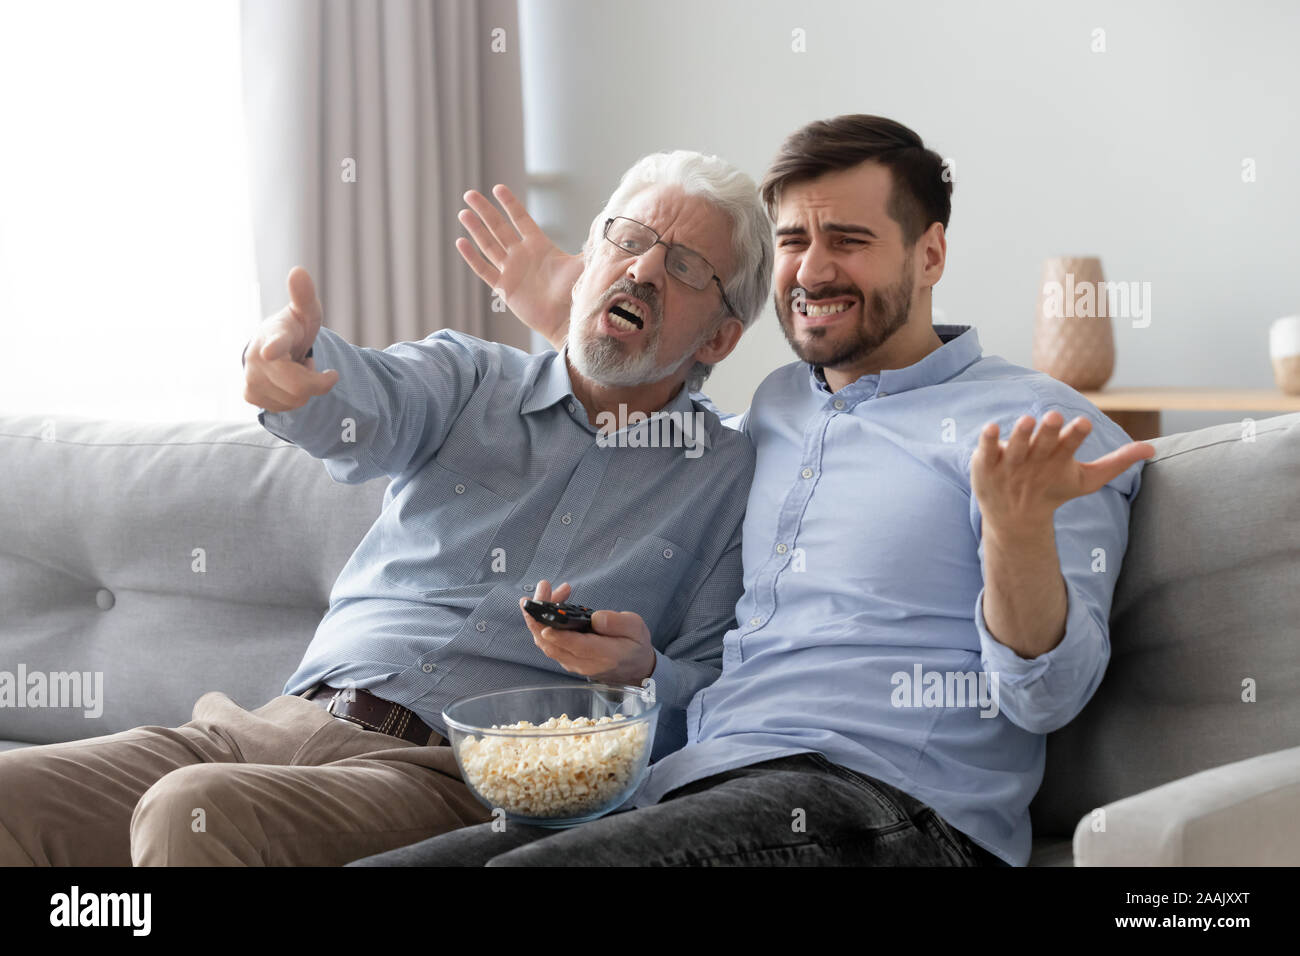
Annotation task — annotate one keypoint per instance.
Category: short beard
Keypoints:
(884, 314)
(603, 360)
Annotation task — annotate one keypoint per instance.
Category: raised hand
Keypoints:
(1021, 482)
(277, 374)
(533, 276)
(617, 651)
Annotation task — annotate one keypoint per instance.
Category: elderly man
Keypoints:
(500, 480)
(923, 601)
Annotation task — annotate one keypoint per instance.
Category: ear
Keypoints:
(933, 247)
(721, 343)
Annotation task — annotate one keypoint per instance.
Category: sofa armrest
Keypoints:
(1239, 814)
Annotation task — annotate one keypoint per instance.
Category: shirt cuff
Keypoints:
(667, 682)
(1077, 651)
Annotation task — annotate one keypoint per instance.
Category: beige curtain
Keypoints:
(367, 121)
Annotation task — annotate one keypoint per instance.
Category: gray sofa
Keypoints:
(175, 559)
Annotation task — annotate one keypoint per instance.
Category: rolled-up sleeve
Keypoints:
(1045, 693)
(387, 404)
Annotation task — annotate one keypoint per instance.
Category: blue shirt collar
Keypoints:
(553, 385)
(961, 347)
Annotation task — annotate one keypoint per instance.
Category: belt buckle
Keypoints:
(329, 708)
(354, 721)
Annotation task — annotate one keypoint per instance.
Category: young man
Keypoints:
(499, 476)
(923, 602)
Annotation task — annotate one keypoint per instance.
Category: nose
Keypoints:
(815, 267)
(650, 267)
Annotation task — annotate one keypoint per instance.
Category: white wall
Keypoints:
(1134, 154)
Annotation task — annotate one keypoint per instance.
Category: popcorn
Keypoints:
(554, 775)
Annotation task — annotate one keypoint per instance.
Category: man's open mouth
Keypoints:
(815, 314)
(626, 315)
(818, 309)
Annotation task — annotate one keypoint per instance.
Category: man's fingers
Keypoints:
(529, 621)
(515, 210)
(325, 380)
(478, 265)
(561, 654)
(617, 623)
(302, 298)
(562, 593)
(990, 450)
(298, 380)
(1047, 437)
(502, 229)
(263, 392)
(550, 642)
(1098, 472)
(1018, 444)
(580, 646)
(487, 243)
(281, 333)
(1074, 435)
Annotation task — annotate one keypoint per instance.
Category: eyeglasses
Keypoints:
(634, 238)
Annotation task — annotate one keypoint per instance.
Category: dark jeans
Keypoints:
(800, 810)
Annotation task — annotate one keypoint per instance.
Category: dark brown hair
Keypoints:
(920, 195)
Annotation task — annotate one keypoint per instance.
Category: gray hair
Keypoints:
(731, 191)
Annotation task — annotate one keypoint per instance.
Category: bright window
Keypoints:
(127, 287)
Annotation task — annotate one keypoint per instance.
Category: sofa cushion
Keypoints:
(172, 559)
(1206, 613)
(1052, 851)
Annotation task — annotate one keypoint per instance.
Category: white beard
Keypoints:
(601, 359)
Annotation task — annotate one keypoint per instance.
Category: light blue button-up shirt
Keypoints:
(864, 572)
(498, 480)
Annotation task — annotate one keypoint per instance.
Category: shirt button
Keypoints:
(807, 472)
(781, 549)
(839, 404)
(668, 552)
(881, 394)
(427, 668)
(755, 621)
(572, 407)
(460, 489)
(567, 519)
(528, 587)
(480, 627)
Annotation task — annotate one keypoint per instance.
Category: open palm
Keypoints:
(1024, 479)
(519, 262)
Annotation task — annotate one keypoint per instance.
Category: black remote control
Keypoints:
(565, 617)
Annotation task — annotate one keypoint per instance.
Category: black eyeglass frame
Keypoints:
(731, 310)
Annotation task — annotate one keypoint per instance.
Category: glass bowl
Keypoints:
(562, 773)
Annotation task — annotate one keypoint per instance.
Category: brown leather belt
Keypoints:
(374, 713)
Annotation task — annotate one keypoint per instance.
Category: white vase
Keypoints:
(1284, 350)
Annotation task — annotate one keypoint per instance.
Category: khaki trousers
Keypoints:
(283, 785)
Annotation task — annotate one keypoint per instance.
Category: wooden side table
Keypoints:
(1137, 410)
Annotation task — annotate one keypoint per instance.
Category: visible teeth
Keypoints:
(618, 321)
(815, 310)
